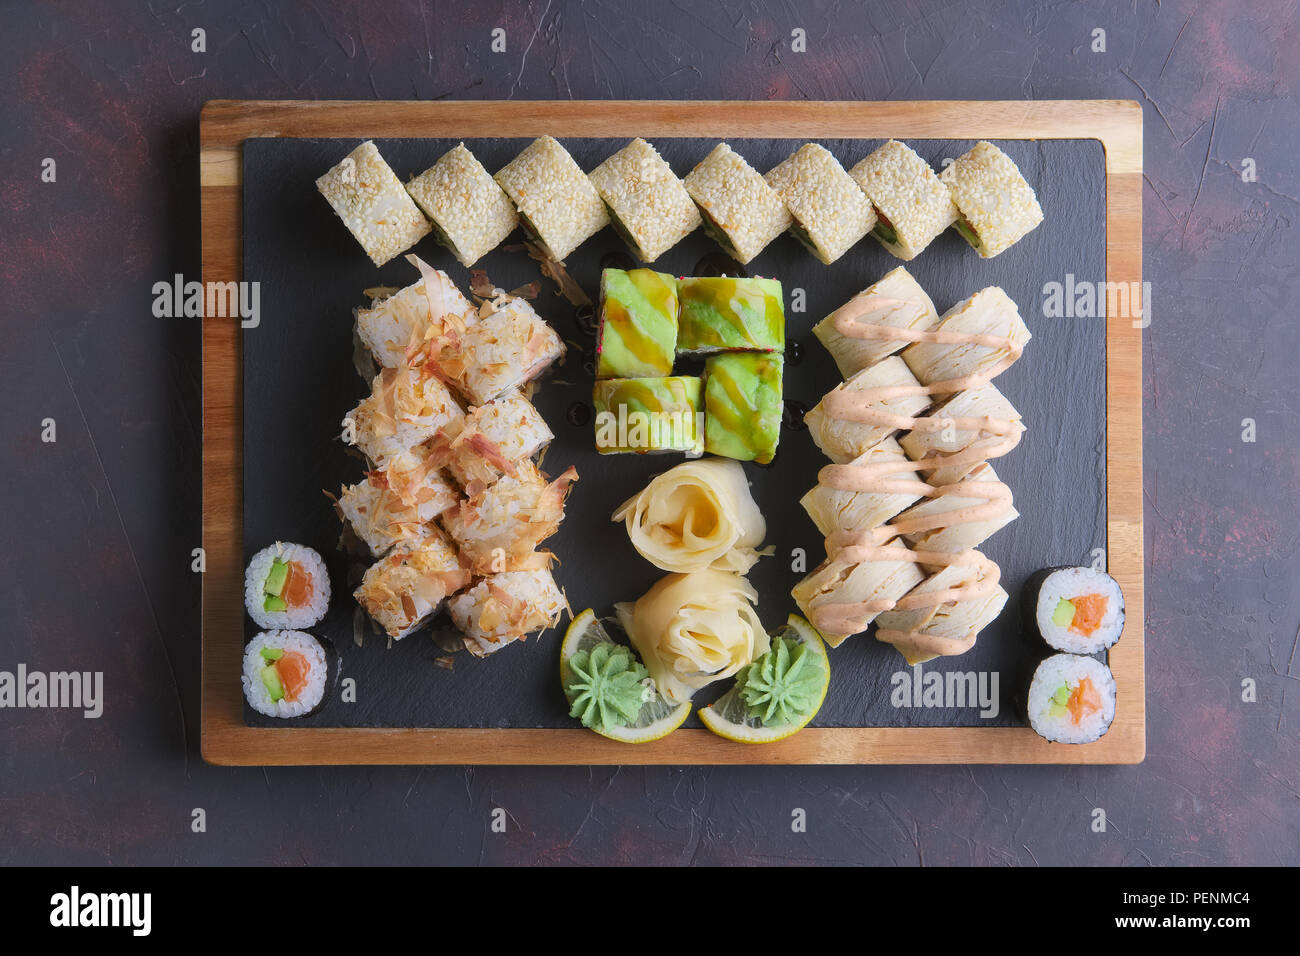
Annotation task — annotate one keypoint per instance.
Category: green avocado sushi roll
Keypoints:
(742, 405)
(638, 324)
(724, 313)
(642, 415)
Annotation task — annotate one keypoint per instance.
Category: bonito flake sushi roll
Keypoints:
(424, 310)
(284, 673)
(911, 204)
(402, 590)
(286, 586)
(647, 204)
(407, 406)
(996, 207)
(506, 607)
(1076, 610)
(1071, 699)
(499, 528)
(741, 212)
(470, 212)
(396, 503)
(367, 195)
(829, 211)
(507, 347)
(556, 202)
(494, 439)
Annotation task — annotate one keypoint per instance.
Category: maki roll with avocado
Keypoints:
(829, 211)
(470, 212)
(638, 324)
(996, 208)
(1075, 610)
(743, 405)
(284, 673)
(911, 204)
(723, 313)
(1071, 699)
(556, 202)
(286, 586)
(647, 204)
(640, 415)
(741, 212)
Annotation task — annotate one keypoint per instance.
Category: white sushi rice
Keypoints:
(294, 617)
(1067, 584)
(255, 692)
(1069, 669)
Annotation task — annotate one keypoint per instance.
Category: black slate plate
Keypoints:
(299, 382)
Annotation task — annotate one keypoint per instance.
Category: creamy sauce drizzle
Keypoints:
(853, 321)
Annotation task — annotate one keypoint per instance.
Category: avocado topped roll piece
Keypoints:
(722, 313)
(742, 405)
(647, 204)
(829, 211)
(367, 195)
(996, 207)
(640, 415)
(911, 204)
(741, 212)
(638, 324)
(470, 212)
(556, 202)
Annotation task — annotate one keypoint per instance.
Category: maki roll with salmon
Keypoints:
(1071, 699)
(284, 673)
(286, 586)
(1075, 610)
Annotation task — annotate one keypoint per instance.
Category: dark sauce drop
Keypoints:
(719, 264)
(579, 413)
(793, 352)
(617, 260)
(792, 414)
(585, 317)
(589, 364)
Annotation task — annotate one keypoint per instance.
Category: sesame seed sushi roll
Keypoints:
(982, 402)
(897, 301)
(286, 585)
(496, 437)
(911, 204)
(367, 195)
(1072, 699)
(836, 596)
(506, 607)
(647, 204)
(996, 207)
(396, 503)
(829, 211)
(643, 415)
(950, 539)
(471, 214)
(284, 673)
(406, 318)
(507, 347)
(834, 509)
(743, 405)
(840, 437)
(1075, 610)
(740, 211)
(988, 312)
(721, 313)
(638, 324)
(556, 202)
(402, 590)
(942, 630)
(406, 407)
(499, 528)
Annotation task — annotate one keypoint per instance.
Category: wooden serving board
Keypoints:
(226, 125)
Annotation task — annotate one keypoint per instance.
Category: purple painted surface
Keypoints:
(100, 524)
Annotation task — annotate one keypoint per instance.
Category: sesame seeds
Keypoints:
(998, 206)
(470, 210)
(907, 193)
(367, 195)
(645, 199)
(829, 209)
(737, 202)
(554, 197)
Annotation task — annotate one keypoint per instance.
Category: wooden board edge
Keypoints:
(225, 740)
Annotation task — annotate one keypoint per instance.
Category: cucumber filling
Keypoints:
(968, 232)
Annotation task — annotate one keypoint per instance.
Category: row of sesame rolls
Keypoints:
(454, 507)
(893, 194)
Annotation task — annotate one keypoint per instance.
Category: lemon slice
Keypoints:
(658, 717)
(729, 716)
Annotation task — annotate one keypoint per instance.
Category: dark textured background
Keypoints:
(299, 381)
(99, 526)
